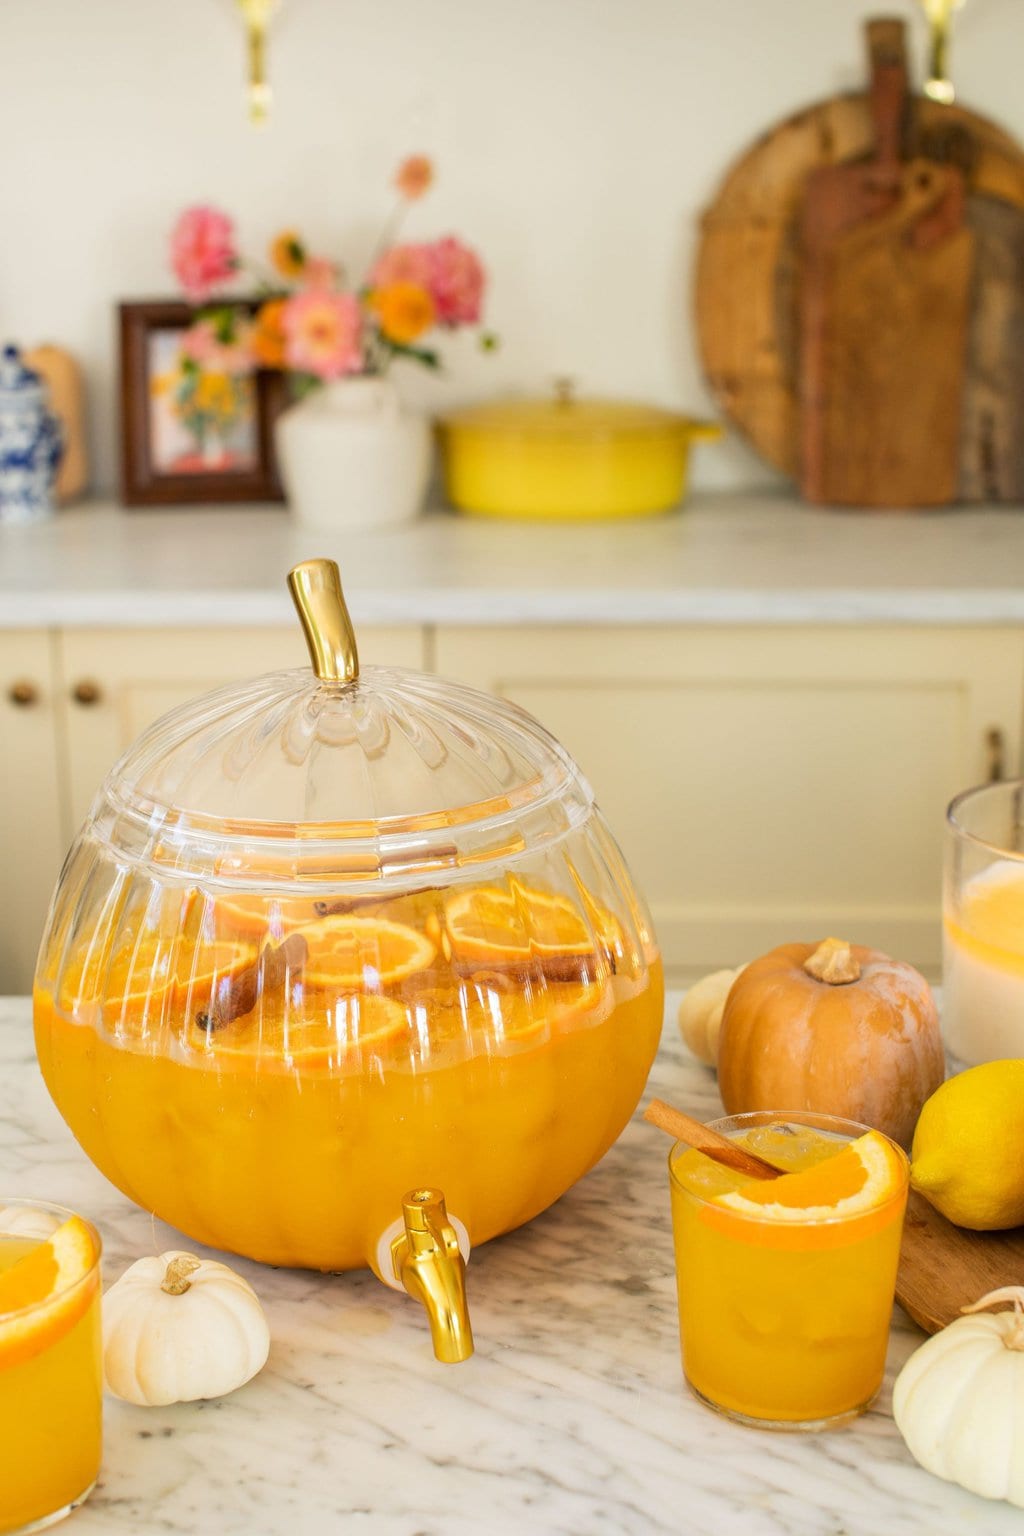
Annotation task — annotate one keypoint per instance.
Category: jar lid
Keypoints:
(339, 774)
(564, 417)
(19, 385)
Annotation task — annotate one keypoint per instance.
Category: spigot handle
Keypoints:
(428, 1261)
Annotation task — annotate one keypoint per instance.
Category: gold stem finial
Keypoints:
(315, 586)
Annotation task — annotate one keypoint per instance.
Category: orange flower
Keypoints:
(267, 339)
(404, 311)
(415, 176)
(288, 254)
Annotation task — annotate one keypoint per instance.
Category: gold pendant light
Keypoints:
(938, 85)
(256, 15)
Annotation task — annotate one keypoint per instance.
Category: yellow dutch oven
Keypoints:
(568, 458)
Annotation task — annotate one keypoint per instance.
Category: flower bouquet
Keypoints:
(349, 452)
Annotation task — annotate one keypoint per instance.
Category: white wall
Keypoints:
(576, 140)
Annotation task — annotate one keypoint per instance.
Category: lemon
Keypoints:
(968, 1152)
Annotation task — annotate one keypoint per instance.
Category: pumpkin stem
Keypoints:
(1014, 1293)
(832, 963)
(176, 1281)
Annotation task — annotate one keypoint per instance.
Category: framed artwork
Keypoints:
(196, 415)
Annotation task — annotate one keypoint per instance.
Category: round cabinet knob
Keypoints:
(23, 693)
(86, 692)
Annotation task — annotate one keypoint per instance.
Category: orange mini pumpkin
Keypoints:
(835, 1028)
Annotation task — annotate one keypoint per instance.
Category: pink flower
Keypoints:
(234, 357)
(203, 251)
(202, 344)
(319, 272)
(323, 333)
(456, 282)
(199, 342)
(403, 264)
(450, 272)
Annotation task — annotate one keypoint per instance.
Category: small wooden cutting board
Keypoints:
(944, 1268)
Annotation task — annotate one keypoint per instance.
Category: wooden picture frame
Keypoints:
(157, 466)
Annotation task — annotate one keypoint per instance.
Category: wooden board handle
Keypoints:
(887, 56)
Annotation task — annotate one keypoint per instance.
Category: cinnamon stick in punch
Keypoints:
(237, 995)
(714, 1145)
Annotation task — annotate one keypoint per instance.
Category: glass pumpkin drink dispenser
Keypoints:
(345, 969)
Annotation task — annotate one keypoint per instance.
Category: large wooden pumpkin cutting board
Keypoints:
(747, 310)
(945, 1268)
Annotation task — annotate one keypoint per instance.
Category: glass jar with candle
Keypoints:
(983, 924)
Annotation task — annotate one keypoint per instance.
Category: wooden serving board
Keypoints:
(944, 1268)
(748, 270)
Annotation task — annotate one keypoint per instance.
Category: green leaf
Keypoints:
(424, 355)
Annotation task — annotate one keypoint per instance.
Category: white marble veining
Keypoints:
(570, 1419)
(724, 559)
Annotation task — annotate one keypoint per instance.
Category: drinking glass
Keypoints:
(983, 924)
(783, 1324)
(51, 1382)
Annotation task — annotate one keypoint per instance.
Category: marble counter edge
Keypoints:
(497, 607)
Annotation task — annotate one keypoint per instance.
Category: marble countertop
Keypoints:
(571, 1418)
(724, 559)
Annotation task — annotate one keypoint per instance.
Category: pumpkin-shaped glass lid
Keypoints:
(389, 768)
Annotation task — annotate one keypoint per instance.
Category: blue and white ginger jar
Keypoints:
(31, 443)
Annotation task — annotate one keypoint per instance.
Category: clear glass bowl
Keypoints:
(324, 939)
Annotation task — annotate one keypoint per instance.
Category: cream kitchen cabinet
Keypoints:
(770, 784)
(115, 682)
(31, 840)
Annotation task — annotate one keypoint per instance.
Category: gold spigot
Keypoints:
(429, 1263)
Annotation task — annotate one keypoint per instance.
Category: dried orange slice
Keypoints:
(345, 1028)
(42, 1295)
(350, 954)
(148, 979)
(199, 973)
(490, 1005)
(863, 1176)
(489, 926)
(252, 918)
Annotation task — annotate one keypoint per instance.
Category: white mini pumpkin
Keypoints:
(177, 1328)
(957, 1400)
(700, 1014)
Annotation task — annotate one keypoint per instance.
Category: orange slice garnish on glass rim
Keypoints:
(838, 1199)
(42, 1296)
(349, 954)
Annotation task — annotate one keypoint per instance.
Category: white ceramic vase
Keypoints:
(352, 456)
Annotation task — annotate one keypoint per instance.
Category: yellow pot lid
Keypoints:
(565, 418)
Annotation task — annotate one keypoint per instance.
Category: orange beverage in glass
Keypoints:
(51, 1384)
(786, 1286)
